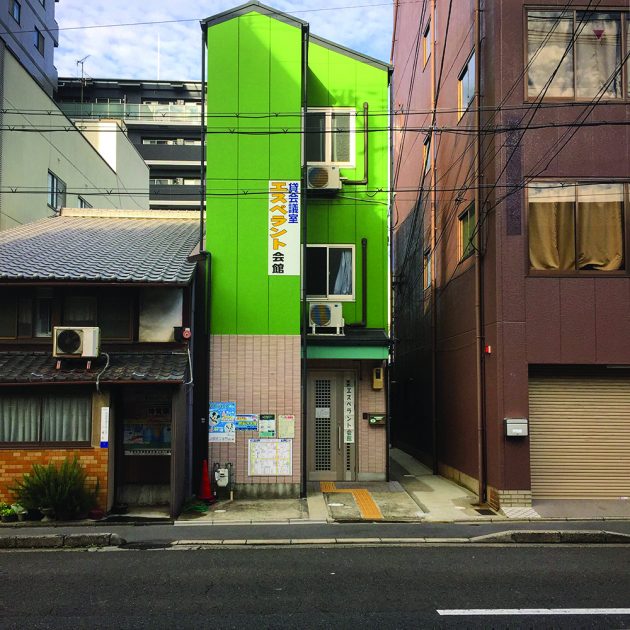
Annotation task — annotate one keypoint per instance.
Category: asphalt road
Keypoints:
(381, 587)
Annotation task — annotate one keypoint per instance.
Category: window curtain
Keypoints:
(551, 223)
(19, 419)
(598, 55)
(341, 138)
(600, 227)
(66, 419)
(343, 279)
(549, 35)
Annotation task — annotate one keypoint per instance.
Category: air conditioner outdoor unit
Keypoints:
(323, 178)
(76, 342)
(325, 318)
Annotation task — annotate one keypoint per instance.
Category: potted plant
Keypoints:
(8, 515)
(20, 511)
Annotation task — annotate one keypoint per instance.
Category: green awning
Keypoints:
(347, 352)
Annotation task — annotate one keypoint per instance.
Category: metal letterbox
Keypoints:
(516, 427)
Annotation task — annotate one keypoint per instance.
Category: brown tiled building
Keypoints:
(94, 357)
(511, 289)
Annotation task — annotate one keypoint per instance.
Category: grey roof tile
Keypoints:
(100, 248)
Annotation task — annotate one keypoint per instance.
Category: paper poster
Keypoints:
(348, 410)
(267, 425)
(147, 437)
(270, 458)
(247, 422)
(104, 427)
(286, 426)
(221, 422)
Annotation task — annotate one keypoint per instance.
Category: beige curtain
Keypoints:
(551, 223)
(600, 227)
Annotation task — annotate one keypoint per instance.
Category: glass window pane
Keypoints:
(598, 55)
(66, 419)
(340, 271)
(114, 317)
(43, 320)
(19, 419)
(551, 225)
(79, 311)
(316, 271)
(549, 50)
(341, 137)
(315, 141)
(8, 316)
(25, 317)
(600, 227)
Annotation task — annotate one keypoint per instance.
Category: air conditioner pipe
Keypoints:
(363, 322)
(361, 182)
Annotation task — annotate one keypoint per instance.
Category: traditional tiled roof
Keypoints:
(19, 368)
(115, 246)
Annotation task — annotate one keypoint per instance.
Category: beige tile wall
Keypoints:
(372, 439)
(261, 373)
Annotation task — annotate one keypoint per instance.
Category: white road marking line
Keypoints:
(534, 611)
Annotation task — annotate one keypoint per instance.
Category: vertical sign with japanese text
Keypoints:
(284, 228)
(348, 409)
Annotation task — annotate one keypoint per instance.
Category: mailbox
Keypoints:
(516, 427)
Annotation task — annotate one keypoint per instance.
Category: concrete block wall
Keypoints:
(16, 462)
(261, 373)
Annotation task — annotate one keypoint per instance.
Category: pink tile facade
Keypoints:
(372, 439)
(261, 373)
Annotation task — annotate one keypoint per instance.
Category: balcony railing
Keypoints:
(134, 112)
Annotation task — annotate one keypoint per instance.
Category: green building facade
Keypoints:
(297, 232)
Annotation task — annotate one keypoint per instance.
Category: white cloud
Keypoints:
(132, 51)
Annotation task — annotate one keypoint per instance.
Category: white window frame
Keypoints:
(332, 297)
(56, 188)
(465, 71)
(329, 111)
(15, 7)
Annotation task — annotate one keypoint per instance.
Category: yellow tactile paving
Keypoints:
(366, 504)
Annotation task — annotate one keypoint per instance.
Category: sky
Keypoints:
(131, 52)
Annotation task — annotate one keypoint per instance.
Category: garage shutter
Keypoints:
(580, 437)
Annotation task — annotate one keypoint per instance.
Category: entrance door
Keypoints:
(331, 426)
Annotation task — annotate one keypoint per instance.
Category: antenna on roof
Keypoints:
(81, 62)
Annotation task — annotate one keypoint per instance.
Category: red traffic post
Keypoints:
(205, 489)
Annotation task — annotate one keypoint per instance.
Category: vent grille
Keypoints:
(321, 314)
(318, 177)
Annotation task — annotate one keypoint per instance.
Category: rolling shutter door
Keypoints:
(580, 437)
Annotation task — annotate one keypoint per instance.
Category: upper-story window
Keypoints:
(172, 141)
(426, 43)
(330, 272)
(83, 203)
(426, 153)
(15, 9)
(467, 231)
(466, 85)
(576, 227)
(574, 55)
(38, 40)
(330, 136)
(56, 191)
(43, 3)
(26, 316)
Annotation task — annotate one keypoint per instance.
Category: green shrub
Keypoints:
(62, 488)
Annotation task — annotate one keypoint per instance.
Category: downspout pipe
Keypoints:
(304, 304)
(364, 281)
(479, 337)
(202, 163)
(362, 182)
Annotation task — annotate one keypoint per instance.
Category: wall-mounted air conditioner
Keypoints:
(325, 318)
(323, 178)
(70, 342)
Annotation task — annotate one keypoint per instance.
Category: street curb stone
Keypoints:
(57, 541)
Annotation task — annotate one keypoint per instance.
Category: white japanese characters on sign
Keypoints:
(284, 228)
(348, 410)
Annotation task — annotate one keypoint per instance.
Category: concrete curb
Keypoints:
(550, 536)
(59, 541)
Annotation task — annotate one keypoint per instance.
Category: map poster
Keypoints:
(221, 421)
(270, 458)
(267, 425)
(247, 422)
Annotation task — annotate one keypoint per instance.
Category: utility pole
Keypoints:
(82, 61)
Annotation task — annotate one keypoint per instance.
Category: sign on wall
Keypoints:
(221, 422)
(284, 228)
(348, 410)
(267, 425)
(247, 422)
(270, 458)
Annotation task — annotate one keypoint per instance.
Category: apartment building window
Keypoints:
(38, 40)
(466, 85)
(426, 153)
(467, 227)
(46, 418)
(427, 271)
(83, 203)
(330, 136)
(426, 43)
(56, 192)
(172, 141)
(574, 55)
(575, 226)
(26, 316)
(330, 272)
(175, 181)
(15, 9)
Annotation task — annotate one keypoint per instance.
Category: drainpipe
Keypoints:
(304, 303)
(202, 165)
(481, 420)
(362, 182)
(390, 232)
(363, 322)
